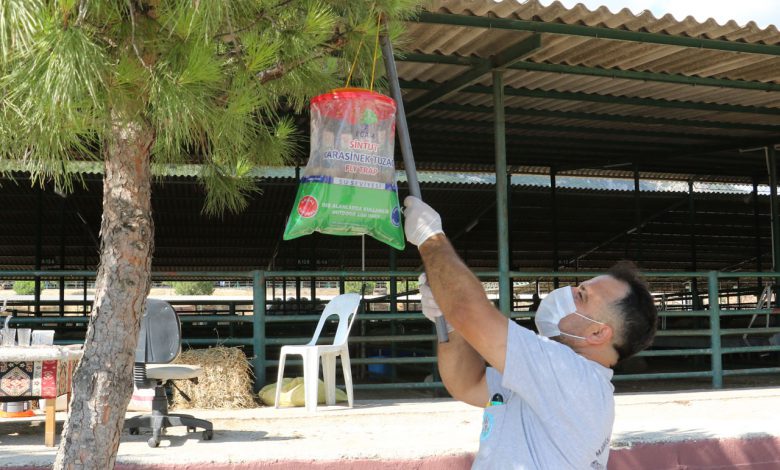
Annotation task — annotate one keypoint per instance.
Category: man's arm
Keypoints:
(462, 300)
(462, 370)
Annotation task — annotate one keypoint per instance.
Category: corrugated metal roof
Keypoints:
(644, 21)
(588, 99)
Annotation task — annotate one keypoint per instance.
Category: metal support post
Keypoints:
(696, 304)
(510, 240)
(757, 234)
(717, 360)
(502, 211)
(637, 217)
(63, 209)
(393, 290)
(84, 282)
(554, 217)
(298, 252)
(313, 280)
(38, 252)
(258, 328)
(772, 167)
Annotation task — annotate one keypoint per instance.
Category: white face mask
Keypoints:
(558, 304)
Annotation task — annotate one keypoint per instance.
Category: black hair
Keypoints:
(637, 311)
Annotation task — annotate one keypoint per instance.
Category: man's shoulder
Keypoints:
(520, 334)
(526, 345)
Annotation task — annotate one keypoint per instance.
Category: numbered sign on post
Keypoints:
(349, 186)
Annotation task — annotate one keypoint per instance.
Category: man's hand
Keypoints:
(421, 221)
(430, 308)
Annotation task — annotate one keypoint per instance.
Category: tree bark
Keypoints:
(103, 380)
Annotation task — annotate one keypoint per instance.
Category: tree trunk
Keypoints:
(103, 380)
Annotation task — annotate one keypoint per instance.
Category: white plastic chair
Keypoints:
(345, 306)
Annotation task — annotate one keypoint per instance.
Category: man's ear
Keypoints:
(600, 334)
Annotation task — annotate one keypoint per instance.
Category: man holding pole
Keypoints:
(548, 398)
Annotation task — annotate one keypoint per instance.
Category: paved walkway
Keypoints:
(691, 430)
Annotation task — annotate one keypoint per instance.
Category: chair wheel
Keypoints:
(208, 435)
(153, 442)
(133, 431)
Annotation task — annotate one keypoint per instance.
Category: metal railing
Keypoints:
(248, 320)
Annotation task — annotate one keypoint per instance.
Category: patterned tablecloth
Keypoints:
(36, 371)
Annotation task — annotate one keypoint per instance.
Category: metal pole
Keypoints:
(393, 290)
(63, 208)
(258, 328)
(84, 282)
(38, 252)
(510, 240)
(312, 280)
(757, 234)
(297, 257)
(637, 216)
(692, 229)
(406, 144)
(403, 128)
(716, 359)
(554, 217)
(502, 211)
(772, 167)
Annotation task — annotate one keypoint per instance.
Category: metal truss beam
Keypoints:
(501, 60)
(575, 129)
(609, 99)
(598, 72)
(651, 121)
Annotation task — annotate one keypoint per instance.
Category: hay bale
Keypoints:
(226, 380)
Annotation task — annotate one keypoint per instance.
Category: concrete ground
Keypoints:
(734, 429)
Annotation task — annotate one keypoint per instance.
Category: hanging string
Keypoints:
(376, 49)
(354, 62)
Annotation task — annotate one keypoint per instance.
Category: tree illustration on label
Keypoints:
(369, 117)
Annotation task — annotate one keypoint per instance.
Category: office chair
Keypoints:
(159, 343)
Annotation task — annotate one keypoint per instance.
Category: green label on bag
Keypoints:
(338, 206)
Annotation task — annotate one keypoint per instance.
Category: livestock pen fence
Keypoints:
(707, 319)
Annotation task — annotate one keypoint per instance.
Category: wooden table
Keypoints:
(32, 372)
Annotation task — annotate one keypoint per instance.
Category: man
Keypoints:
(548, 398)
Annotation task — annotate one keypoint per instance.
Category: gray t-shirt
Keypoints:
(558, 408)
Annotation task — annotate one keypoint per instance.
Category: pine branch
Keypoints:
(279, 70)
(260, 17)
(132, 35)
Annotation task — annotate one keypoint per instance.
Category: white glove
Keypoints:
(421, 221)
(430, 308)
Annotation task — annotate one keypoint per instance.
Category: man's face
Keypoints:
(594, 299)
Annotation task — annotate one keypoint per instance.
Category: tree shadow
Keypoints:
(179, 439)
(23, 427)
(22, 446)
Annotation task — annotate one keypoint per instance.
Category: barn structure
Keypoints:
(554, 142)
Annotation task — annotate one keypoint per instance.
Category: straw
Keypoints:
(225, 381)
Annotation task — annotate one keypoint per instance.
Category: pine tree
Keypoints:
(136, 82)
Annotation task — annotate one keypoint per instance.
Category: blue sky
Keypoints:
(763, 12)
